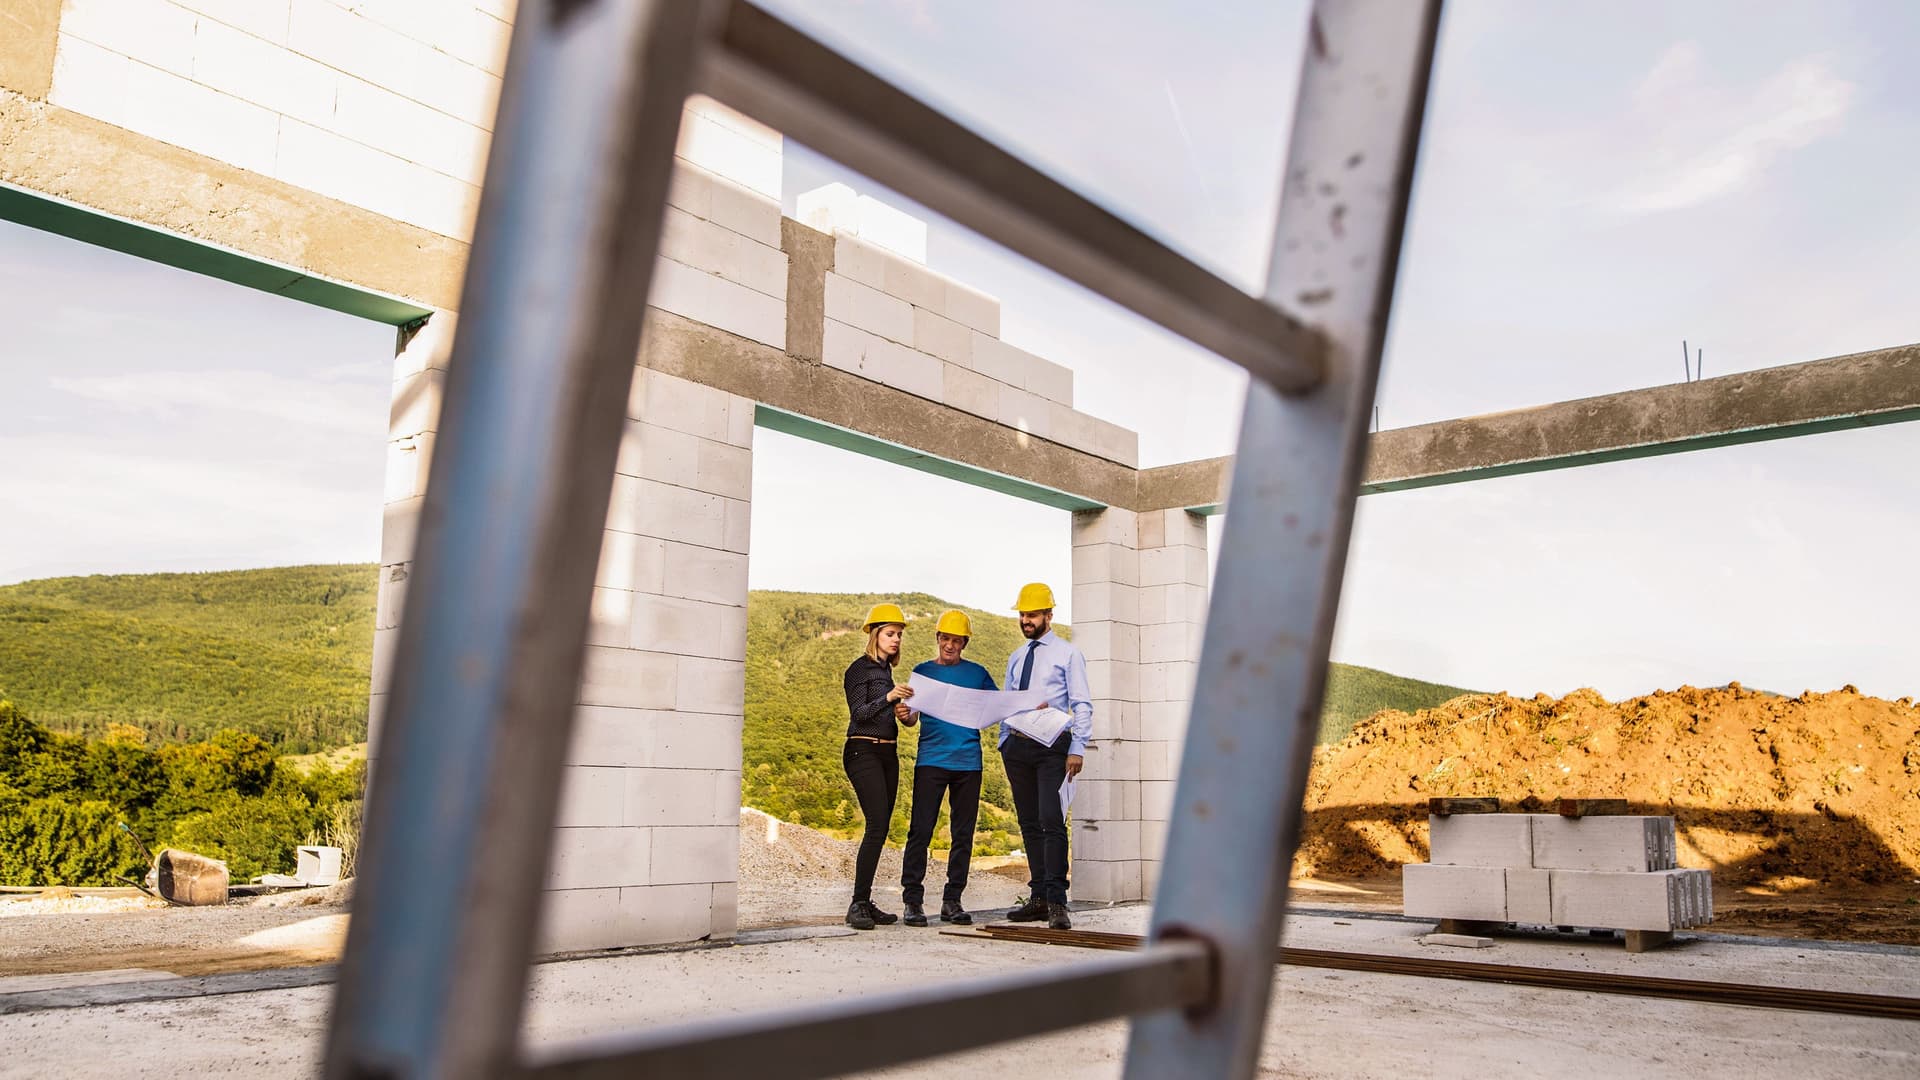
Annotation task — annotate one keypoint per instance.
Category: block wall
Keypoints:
(648, 844)
(892, 320)
(1139, 602)
(384, 104)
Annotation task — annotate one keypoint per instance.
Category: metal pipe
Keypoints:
(462, 805)
(784, 78)
(1263, 669)
(840, 1037)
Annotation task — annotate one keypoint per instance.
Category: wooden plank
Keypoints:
(1578, 808)
(1639, 941)
(1448, 807)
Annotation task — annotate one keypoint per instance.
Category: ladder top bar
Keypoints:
(788, 80)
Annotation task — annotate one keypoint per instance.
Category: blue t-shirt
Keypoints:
(950, 746)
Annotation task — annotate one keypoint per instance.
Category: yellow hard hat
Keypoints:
(955, 623)
(880, 614)
(1034, 597)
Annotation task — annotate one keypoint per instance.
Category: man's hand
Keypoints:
(905, 715)
(1074, 761)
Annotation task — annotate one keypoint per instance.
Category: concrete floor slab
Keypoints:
(1323, 1023)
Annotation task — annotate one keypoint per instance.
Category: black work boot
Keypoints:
(1032, 911)
(915, 916)
(952, 912)
(1057, 917)
(860, 915)
(881, 918)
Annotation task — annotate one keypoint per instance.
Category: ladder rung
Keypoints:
(784, 78)
(892, 1029)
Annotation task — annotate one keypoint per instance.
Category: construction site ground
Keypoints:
(102, 984)
(1323, 1023)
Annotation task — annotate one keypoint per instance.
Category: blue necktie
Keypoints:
(1026, 670)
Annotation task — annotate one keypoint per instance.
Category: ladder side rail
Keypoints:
(1263, 666)
(839, 1037)
(465, 786)
(789, 81)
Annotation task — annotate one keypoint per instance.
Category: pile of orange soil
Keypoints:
(1822, 788)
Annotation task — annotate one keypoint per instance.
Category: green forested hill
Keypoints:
(284, 653)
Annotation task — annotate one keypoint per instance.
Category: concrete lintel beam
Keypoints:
(1858, 390)
(882, 421)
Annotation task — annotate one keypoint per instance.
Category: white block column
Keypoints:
(647, 849)
(1106, 811)
(1173, 613)
(647, 845)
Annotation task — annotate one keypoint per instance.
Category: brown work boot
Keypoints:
(1032, 911)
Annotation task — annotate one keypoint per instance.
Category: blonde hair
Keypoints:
(873, 644)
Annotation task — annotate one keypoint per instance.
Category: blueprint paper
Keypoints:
(967, 708)
(1043, 725)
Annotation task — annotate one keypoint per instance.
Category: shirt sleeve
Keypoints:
(1079, 702)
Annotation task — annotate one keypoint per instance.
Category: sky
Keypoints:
(1596, 184)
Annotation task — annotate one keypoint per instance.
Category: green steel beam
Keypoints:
(830, 435)
(36, 210)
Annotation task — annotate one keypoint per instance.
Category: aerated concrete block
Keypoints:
(1530, 896)
(1624, 843)
(1481, 840)
(1648, 900)
(1434, 891)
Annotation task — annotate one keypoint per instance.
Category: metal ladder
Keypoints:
(471, 753)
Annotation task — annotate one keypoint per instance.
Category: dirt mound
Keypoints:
(1821, 788)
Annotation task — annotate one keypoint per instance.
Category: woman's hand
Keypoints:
(900, 693)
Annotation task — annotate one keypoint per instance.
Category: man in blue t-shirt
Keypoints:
(948, 764)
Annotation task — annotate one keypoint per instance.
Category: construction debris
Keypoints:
(181, 877)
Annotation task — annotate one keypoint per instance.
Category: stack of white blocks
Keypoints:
(892, 320)
(1542, 869)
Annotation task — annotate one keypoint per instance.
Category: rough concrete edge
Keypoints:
(809, 258)
(700, 353)
(29, 32)
(74, 157)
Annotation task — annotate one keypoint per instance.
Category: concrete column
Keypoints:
(1105, 815)
(1172, 613)
(647, 849)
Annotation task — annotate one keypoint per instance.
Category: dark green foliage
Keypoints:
(224, 672)
(284, 653)
(1355, 693)
(64, 798)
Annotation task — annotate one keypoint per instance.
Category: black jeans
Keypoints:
(1035, 773)
(962, 789)
(874, 769)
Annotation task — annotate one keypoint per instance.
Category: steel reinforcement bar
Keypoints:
(1797, 999)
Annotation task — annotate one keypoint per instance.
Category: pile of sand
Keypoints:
(1818, 788)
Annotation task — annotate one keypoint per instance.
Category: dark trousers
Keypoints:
(874, 769)
(962, 790)
(1035, 773)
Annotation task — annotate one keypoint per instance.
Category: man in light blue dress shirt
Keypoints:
(1035, 771)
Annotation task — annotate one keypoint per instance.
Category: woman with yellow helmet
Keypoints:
(871, 756)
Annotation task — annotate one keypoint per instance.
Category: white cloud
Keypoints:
(1700, 140)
